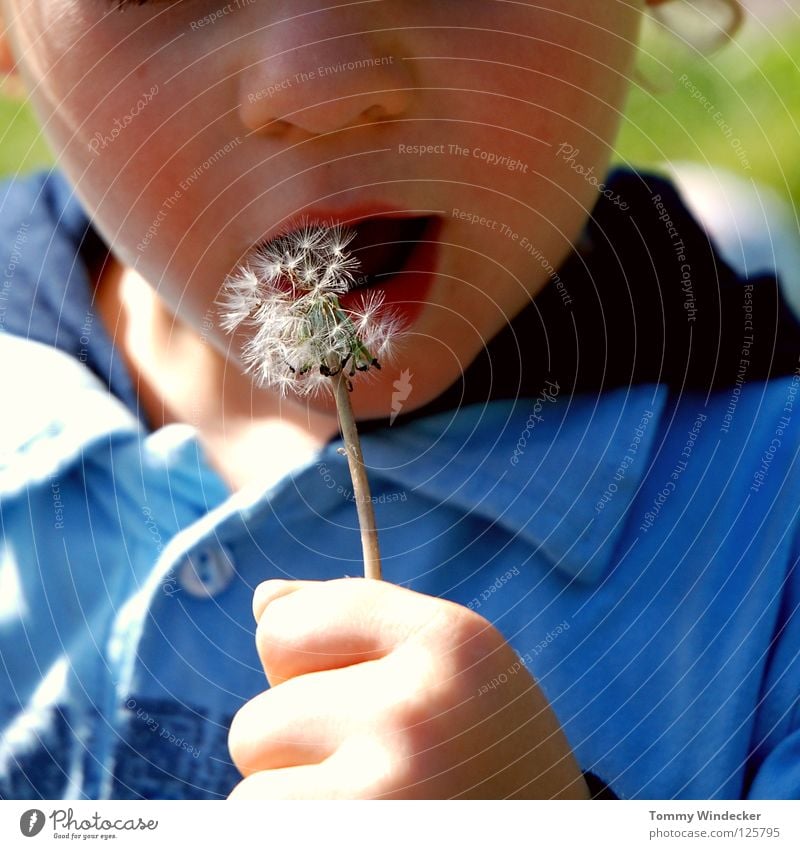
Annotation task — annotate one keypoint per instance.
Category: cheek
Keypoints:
(144, 168)
(149, 151)
(532, 77)
(512, 100)
(98, 103)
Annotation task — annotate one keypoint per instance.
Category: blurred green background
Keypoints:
(748, 120)
(736, 108)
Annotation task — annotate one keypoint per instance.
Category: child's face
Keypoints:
(194, 130)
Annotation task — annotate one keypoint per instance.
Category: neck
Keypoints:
(251, 435)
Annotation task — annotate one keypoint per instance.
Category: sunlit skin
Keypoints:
(229, 130)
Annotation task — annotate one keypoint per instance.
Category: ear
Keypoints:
(6, 59)
(10, 79)
(729, 25)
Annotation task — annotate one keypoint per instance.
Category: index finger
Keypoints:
(314, 626)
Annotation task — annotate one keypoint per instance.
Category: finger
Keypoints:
(301, 722)
(358, 770)
(332, 624)
(296, 782)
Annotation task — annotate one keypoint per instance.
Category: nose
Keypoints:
(320, 76)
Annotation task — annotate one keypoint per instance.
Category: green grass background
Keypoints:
(754, 84)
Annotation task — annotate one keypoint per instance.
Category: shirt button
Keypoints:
(207, 571)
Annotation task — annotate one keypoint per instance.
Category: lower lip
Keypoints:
(406, 292)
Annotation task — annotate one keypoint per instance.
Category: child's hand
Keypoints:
(378, 691)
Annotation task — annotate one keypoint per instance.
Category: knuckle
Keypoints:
(463, 639)
(273, 633)
(242, 747)
(264, 641)
(416, 736)
(370, 763)
(236, 745)
(241, 791)
(419, 716)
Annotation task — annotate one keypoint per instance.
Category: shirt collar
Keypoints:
(556, 471)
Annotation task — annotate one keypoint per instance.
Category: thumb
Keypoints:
(268, 591)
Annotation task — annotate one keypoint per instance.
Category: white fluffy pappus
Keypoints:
(287, 296)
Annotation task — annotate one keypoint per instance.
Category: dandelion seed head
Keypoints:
(287, 297)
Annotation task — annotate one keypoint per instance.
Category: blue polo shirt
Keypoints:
(635, 541)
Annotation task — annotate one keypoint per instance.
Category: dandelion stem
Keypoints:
(301, 337)
(352, 444)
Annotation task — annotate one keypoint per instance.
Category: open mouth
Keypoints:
(397, 257)
(383, 247)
